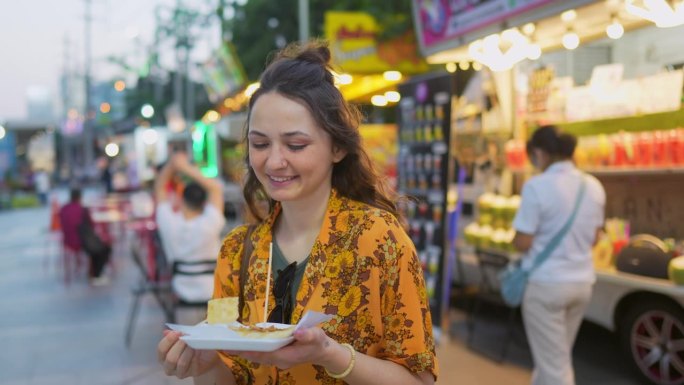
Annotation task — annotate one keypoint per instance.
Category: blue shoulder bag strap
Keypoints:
(555, 241)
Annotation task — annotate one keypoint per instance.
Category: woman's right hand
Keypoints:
(182, 361)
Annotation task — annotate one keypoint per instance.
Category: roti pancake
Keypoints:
(222, 310)
(263, 332)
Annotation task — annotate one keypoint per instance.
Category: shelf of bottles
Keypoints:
(422, 175)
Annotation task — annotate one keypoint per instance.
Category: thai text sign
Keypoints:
(441, 20)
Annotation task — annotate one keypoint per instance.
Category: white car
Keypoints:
(648, 316)
(646, 313)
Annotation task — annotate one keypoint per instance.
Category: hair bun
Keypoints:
(315, 52)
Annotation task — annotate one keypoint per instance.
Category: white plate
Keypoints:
(237, 343)
(222, 337)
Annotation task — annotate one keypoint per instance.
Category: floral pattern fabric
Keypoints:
(362, 269)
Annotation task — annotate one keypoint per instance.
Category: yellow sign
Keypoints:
(356, 49)
(381, 142)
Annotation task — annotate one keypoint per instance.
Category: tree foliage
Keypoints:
(255, 38)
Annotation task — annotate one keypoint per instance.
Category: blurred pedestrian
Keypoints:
(106, 176)
(194, 232)
(559, 289)
(41, 180)
(338, 247)
(71, 217)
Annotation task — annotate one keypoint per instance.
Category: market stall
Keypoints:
(602, 71)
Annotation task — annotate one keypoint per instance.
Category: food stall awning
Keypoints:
(364, 87)
(544, 26)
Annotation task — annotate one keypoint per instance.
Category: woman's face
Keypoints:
(290, 154)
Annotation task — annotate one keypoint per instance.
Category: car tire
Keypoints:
(652, 338)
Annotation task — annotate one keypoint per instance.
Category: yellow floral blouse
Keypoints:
(362, 269)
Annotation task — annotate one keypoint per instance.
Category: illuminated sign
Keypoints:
(356, 48)
(205, 149)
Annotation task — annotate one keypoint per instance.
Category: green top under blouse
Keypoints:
(279, 262)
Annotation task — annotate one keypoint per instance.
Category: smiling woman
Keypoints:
(288, 151)
(330, 217)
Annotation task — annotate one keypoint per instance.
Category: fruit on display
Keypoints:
(493, 226)
(502, 239)
(605, 150)
(484, 205)
(675, 270)
(499, 239)
(603, 253)
(479, 236)
(470, 233)
(631, 149)
(510, 234)
(511, 207)
(498, 208)
(516, 154)
(484, 236)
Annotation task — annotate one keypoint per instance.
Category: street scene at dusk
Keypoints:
(316, 192)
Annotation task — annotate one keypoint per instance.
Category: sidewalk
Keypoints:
(52, 333)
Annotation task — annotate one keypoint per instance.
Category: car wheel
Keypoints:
(652, 336)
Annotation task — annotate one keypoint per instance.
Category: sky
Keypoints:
(33, 51)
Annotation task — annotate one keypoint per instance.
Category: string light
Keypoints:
(529, 28)
(615, 30)
(392, 75)
(379, 100)
(569, 15)
(571, 40)
(488, 50)
(534, 52)
(251, 89)
(659, 12)
(392, 96)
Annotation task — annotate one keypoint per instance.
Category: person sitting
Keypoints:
(193, 233)
(71, 216)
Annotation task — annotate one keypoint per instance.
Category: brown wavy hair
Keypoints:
(302, 72)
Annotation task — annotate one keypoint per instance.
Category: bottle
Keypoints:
(659, 149)
(645, 149)
(438, 132)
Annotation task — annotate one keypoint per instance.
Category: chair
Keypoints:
(156, 278)
(491, 263)
(148, 284)
(194, 268)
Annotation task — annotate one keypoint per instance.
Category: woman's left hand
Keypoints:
(308, 347)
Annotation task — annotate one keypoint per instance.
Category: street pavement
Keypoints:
(52, 333)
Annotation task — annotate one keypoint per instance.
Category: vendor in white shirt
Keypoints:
(193, 233)
(559, 290)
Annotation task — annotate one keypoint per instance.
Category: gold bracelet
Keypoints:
(349, 368)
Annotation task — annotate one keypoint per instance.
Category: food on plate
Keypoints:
(267, 332)
(222, 310)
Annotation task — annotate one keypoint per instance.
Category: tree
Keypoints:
(261, 26)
